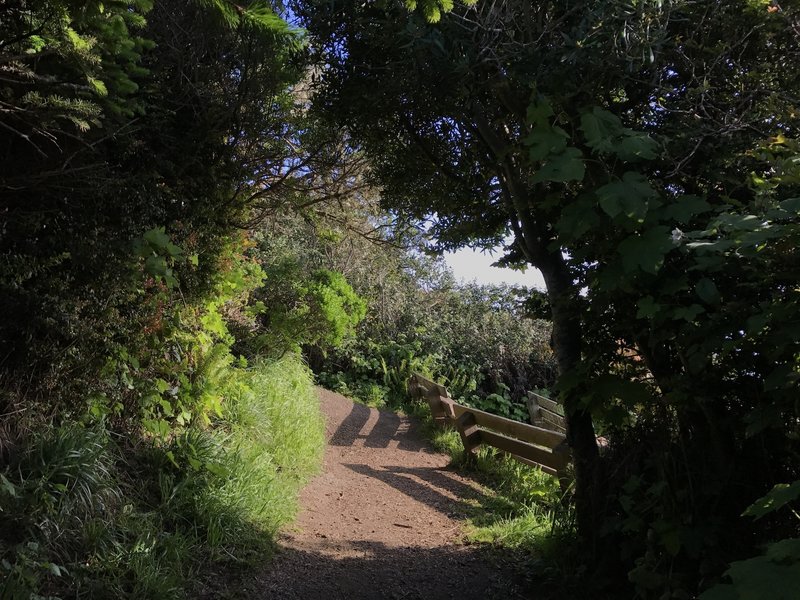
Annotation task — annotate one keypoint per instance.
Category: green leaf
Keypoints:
(763, 579)
(540, 112)
(636, 146)
(156, 266)
(170, 279)
(646, 251)
(158, 427)
(719, 246)
(684, 208)
(648, 308)
(568, 166)
(707, 291)
(722, 591)
(98, 86)
(736, 222)
(157, 238)
(688, 313)
(756, 323)
(217, 469)
(544, 141)
(600, 127)
(791, 205)
(761, 418)
(171, 456)
(578, 218)
(778, 497)
(606, 135)
(7, 486)
(166, 406)
(173, 250)
(631, 197)
(785, 550)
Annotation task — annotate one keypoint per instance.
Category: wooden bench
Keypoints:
(546, 413)
(529, 444)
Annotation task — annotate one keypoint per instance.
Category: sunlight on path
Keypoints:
(382, 520)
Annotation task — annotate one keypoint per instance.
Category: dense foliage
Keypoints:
(643, 156)
(135, 444)
(189, 200)
(482, 341)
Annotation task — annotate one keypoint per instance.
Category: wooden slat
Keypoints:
(448, 406)
(471, 436)
(437, 411)
(430, 387)
(552, 418)
(546, 402)
(546, 412)
(421, 387)
(550, 452)
(533, 410)
(538, 455)
(523, 431)
(533, 463)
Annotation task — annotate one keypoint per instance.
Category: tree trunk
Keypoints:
(535, 241)
(567, 342)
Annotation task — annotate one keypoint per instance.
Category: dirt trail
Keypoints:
(381, 521)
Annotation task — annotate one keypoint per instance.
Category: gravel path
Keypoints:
(383, 520)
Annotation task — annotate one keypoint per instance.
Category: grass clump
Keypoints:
(241, 479)
(77, 518)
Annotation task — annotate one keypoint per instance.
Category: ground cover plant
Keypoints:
(84, 511)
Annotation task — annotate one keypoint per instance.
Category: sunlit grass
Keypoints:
(525, 509)
(277, 439)
(80, 513)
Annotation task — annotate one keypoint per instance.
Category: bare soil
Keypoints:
(383, 520)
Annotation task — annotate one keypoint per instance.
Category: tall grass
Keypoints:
(82, 516)
(237, 483)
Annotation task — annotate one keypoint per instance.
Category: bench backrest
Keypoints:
(540, 446)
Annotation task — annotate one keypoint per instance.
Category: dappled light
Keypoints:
(385, 519)
(377, 429)
(234, 361)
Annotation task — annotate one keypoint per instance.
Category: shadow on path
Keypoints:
(388, 427)
(462, 501)
(372, 571)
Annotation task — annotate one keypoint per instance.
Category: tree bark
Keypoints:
(536, 241)
(567, 343)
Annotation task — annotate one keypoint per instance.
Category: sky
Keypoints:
(468, 265)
